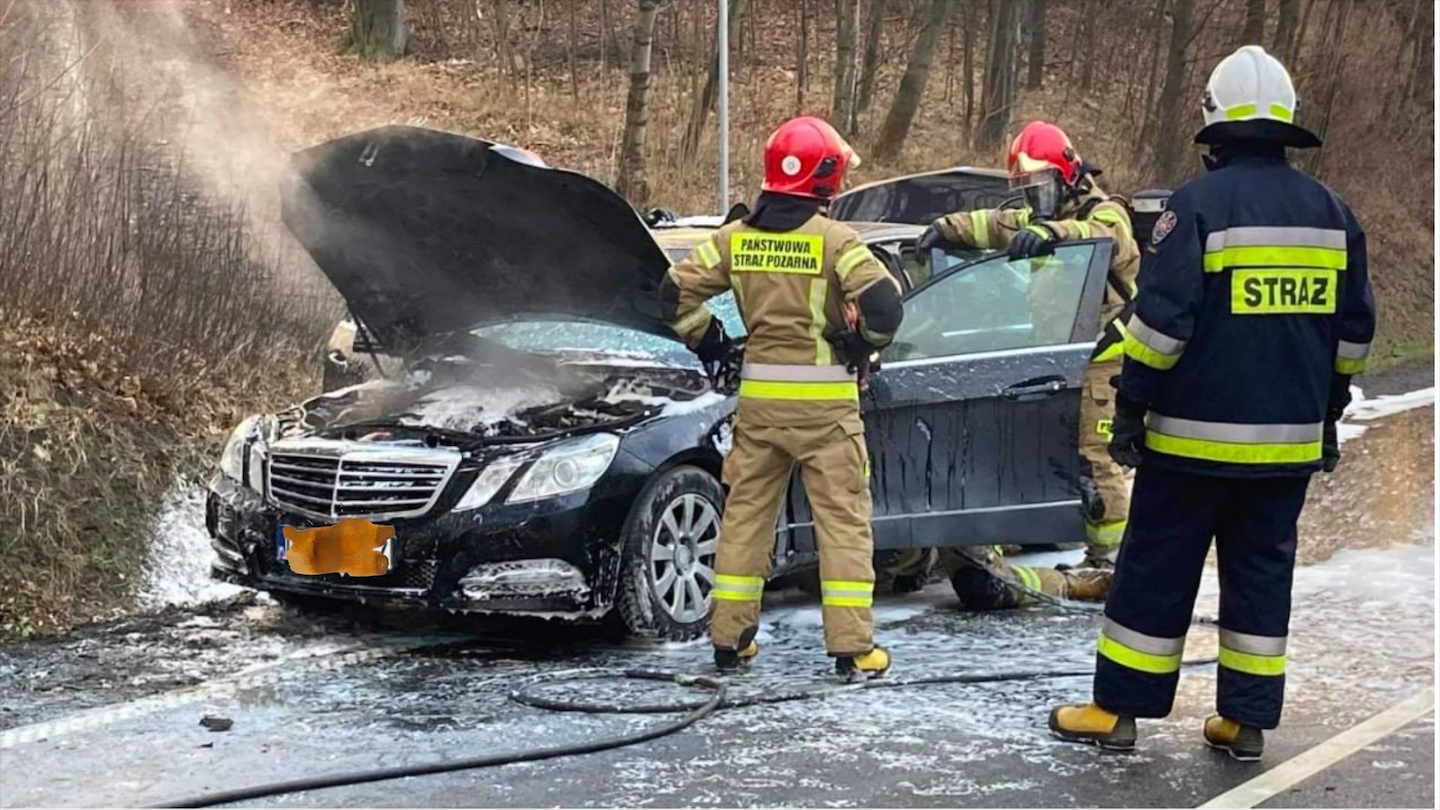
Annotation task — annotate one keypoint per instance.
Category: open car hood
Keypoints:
(919, 199)
(426, 232)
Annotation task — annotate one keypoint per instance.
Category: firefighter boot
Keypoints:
(1093, 725)
(857, 668)
(1244, 743)
(731, 662)
(1087, 584)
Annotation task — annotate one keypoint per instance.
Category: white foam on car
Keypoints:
(1368, 410)
(464, 407)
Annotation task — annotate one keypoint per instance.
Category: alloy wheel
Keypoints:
(682, 557)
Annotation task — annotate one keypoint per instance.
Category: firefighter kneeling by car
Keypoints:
(799, 280)
(1062, 201)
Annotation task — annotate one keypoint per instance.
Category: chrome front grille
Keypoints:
(331, 480)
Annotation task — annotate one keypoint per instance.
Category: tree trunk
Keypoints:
(912, 84)
(802, 57)
(705, 101)
(572, 37)
(1170, 145)
(630, 169)
(968, 47)
(377, 29)
(870, 63)
(842, 95)
(1037, 45)
(1286, 30)
(997, 92)
(1254, 31)
(509, 60)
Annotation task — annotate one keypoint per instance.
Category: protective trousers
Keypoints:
(834, 468)
(1105, 497)
(1172, 521)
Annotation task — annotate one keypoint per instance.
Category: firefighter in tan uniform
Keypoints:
(1062, 201)
(816, 305)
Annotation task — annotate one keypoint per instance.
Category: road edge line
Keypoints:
(1311, 762)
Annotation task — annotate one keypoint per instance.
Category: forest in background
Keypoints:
(149, 296)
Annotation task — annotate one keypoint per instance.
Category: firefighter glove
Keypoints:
(1330, 447)
(1127, 432)
(1032, 240)
(715, 350)
(853, 348)
(930, 239)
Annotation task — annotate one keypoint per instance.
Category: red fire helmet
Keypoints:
(808, 158)
(1041, 145)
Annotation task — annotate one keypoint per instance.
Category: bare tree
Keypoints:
(705, 100)
(912, 85)
(571, 43)
(630, 167)
(1169, 145)
(1287, 31)
(1254, 31)
(509, 60)
(870, 63)
(1037, 44)
(377, 29)
(842, 94)
(997, 92)
(969, 49)
(802, 56)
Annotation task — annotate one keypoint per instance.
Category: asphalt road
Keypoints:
(110, 715)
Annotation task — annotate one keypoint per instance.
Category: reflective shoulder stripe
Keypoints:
(846, 593)
(980, 227)
(1253, 644)
(1113, 217)
(1271, 246)
(1264, 665)
(1350, 357)
(782, 372)
(1084, 228)
(1152, 654)
(851, 259)
(800, 391)
(708, 254)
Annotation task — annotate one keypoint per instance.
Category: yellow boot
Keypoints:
(1244, 743)
(1091, 724)
(873, 664)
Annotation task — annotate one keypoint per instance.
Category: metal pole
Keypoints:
(722, 54)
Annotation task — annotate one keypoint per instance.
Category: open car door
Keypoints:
(972, 422)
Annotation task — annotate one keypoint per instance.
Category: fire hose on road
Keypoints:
(694, 711)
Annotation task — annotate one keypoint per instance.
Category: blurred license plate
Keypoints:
(282, 546)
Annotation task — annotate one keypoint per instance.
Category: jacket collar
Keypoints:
(783, 212)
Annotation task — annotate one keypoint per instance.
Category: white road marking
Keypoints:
(224, 687)
(1305, 765)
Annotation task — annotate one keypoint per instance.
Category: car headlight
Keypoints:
(232, 458)
(489, 482)
(571, 467)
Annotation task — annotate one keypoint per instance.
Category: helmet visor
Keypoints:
(1042, 191)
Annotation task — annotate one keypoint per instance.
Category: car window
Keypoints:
(994, 305)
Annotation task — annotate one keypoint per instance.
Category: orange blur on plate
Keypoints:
(352, 547)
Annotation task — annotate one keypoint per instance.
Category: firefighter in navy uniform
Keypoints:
(1253, 312)
(817, 305)
(1063, 200)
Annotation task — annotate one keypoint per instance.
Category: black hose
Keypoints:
(696, 714)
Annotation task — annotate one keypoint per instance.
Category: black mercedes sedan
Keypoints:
(542, 444)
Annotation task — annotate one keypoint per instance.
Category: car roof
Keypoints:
(687, 237)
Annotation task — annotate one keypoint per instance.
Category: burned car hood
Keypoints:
(426, 232)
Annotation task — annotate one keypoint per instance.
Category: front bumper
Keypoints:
(559, 556)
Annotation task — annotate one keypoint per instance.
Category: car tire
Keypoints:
(668, 550)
